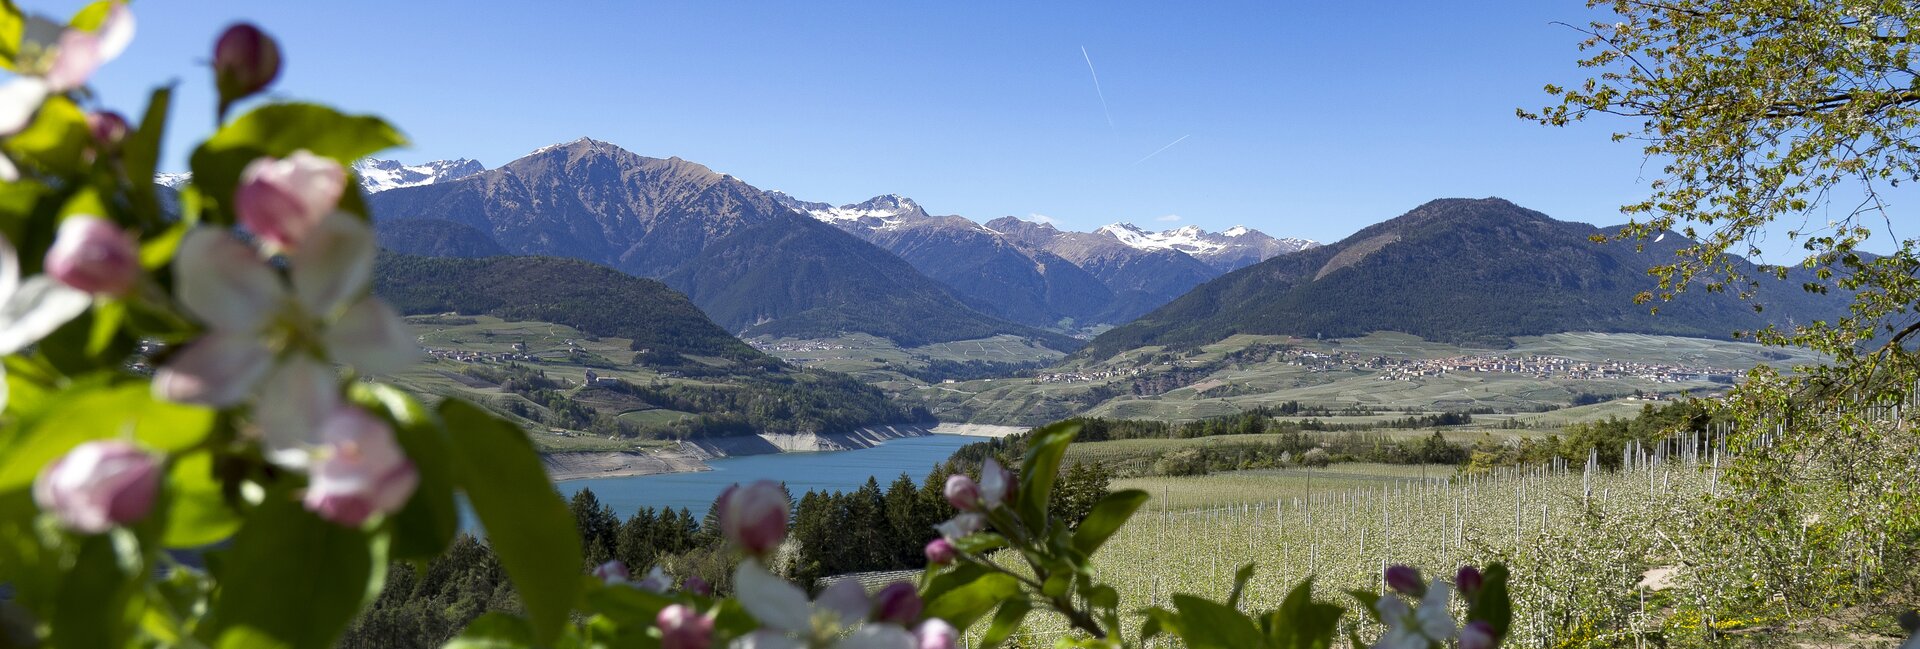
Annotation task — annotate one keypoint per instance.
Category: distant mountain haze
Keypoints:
(1464, 271)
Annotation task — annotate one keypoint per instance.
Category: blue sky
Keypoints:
(1300, 118)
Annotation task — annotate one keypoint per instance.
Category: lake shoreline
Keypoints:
(692, 455)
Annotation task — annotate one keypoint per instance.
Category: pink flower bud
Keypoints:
(281, 200)
(1468, 582)
(109, 129)
(963, 493)
(940, 552)
(754, 517)
(1477, 634)
(899, 603)
(92, 254)
(360, 471)
(682, 627)
(995, 484)
(612, 572)
(935, 633)
(245, 60)
(698, 586)
(1405, 580)
(98, 485)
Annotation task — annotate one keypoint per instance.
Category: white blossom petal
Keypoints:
(37, 308)
(372, 338)
(220, 369)
(8, 172)
(116, 32)
(9, 269)
(766, 640)
(1436, 622)
(334, 264)
(224, 283)
(770, 599)
(294, 404)
(20, 98)
(846, 600)
(878, 636)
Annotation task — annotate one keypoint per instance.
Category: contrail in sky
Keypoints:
(1164, 148)
(1096, 86)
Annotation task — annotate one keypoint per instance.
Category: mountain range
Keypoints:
(1473, 271)
(1033, 273)
(762, 262)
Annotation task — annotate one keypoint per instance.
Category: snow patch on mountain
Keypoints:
(1189, 239)
(173, 180)
(880, 212)
(381, 175)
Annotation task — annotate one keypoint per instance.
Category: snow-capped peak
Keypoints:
(880, 212)
(173, 180)
(1189, 239)
(381, 175)
(1236, 231)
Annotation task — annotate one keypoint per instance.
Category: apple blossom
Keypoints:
(962, 525)
(936, 633)
(92, 254)
(682, 627)
(962, 492)
(1468, 581)
(1477, 634)
(698, 586)
(109, 129)
(1405, 580)
(53, 58)
(612, 572)
(754, 517)
(264, 337)
(360, 471)
(34, 308)
(283, 199)
(789, 620)
(245, 61)
(995, 484)
(940, 552)
(898, 602)
(656, 581)
(98, 485)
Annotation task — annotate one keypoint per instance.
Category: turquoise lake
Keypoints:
(824, 470)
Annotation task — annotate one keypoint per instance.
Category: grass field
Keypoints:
(1578, 547)
(563, 353)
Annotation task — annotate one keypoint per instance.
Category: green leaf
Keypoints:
(527, 523)
(56, 140)
(1208, 624)
(980, 543)
(624, 604)
(1159, 620)
(91, 412)
(12, 26)
(140, 154)
(91, 610)
(1107, 517)
(494, 631)
(1037, 472)
(1005, 622)
(1301, 623)
(197, 511)
(963, 603)
(291, 579)
(1240, 580)
(1369, 602)
(278, 130)
(1493, 605)
(426, 526)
